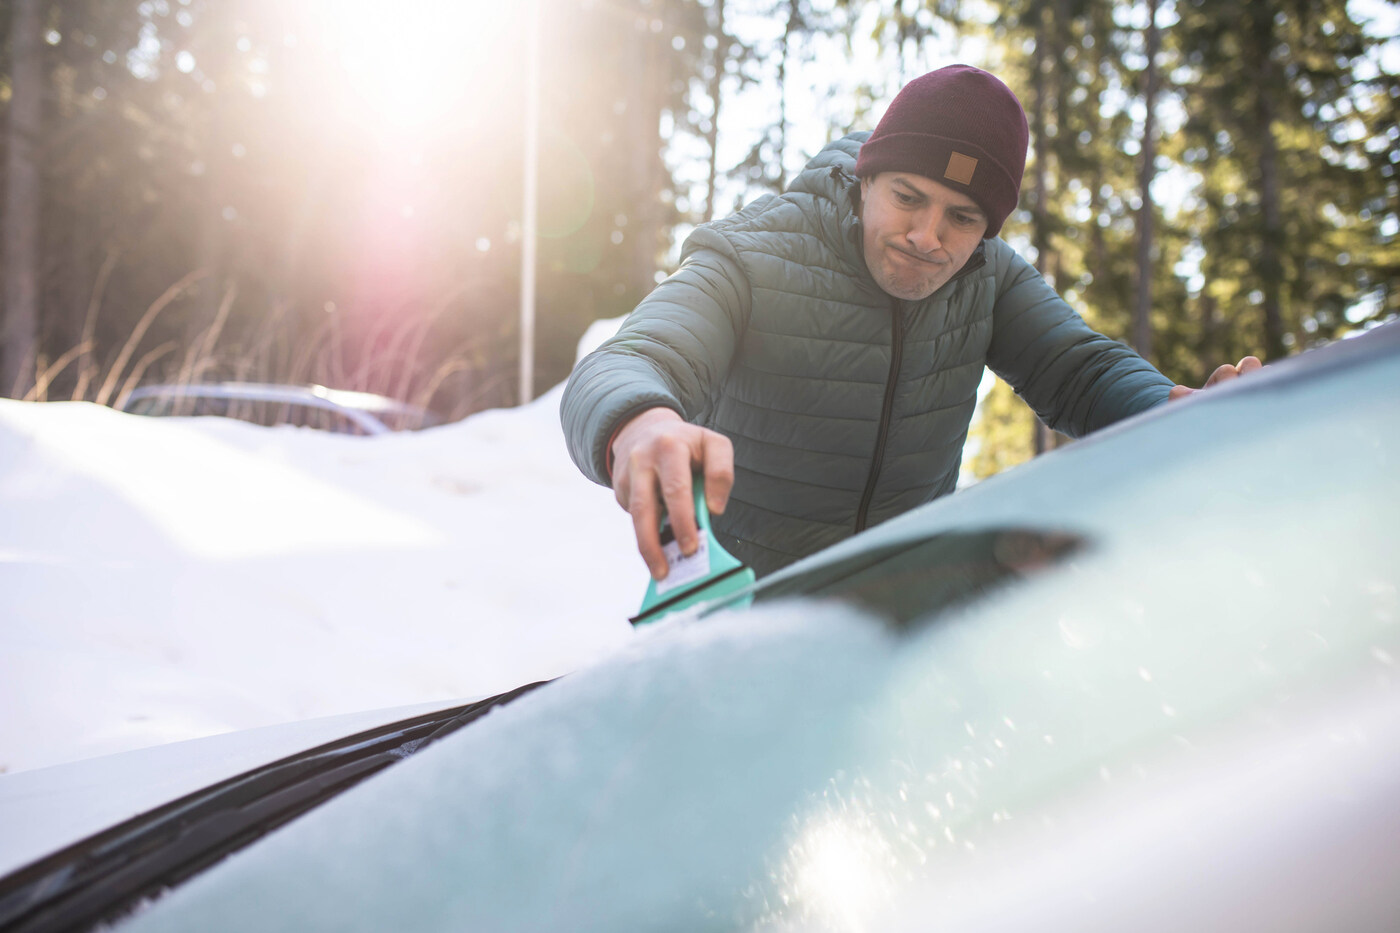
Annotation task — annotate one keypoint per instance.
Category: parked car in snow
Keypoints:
(1145, 682)
(337, 410)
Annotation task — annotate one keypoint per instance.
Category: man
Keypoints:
(817, 355)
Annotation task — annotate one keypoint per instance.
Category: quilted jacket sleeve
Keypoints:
(1075, 379)
(672, 351)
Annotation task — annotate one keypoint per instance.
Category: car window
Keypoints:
(918, 580)
(254, 411)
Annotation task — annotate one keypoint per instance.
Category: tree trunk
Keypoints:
(21, 223)
(1210, 352)
(1258, 40)
(71, 230)
(212, 233)
(1270, 265)
(1098, 242)
(1043, 437)
(792, 24)
(1142, 307)
(646, 144)
(1039, 221)
(721, 58)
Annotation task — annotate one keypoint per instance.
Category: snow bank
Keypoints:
(168, 578)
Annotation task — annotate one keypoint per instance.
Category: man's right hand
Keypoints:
(657, 452)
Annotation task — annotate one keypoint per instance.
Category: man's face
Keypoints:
(917, 232)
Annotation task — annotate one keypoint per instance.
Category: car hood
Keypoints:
(45, 809)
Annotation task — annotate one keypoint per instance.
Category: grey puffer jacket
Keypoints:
(845, 406)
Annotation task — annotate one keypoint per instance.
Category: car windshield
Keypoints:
(1201, 579)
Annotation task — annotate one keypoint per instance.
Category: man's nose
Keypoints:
(923, 235)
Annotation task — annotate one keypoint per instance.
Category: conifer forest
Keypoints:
(330, 191)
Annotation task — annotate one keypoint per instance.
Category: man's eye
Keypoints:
(903, 198)
(965, 219)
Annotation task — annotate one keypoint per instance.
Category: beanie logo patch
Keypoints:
(960, 168)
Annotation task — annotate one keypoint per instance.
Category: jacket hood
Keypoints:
(831, 176)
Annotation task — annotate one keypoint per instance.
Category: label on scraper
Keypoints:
(684, 570)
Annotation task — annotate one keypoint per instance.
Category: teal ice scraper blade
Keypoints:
(708, 574)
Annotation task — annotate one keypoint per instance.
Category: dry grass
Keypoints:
(403, 367)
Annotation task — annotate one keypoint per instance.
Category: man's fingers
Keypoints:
(622, 487)
(1223, 373)
(655, 457)
(673, 476)
(718, 457)
(646, 522)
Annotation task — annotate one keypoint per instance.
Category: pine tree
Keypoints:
(21, 228)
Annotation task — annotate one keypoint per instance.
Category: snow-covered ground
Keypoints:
(168, 578)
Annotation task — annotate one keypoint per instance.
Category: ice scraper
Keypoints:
(708, 574)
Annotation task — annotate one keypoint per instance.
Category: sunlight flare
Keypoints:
(418, 63)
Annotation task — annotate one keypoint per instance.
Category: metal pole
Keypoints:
(529, 232)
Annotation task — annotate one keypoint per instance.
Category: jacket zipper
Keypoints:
(978, 260)
(896, 354)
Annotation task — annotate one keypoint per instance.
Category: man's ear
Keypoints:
(865, 186)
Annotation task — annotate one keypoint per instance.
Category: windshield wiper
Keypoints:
(104, 876)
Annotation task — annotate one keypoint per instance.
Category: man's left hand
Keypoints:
(1224, 374)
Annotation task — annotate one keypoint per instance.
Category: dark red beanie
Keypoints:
(960, 127)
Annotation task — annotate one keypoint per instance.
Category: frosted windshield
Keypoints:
(809, 764)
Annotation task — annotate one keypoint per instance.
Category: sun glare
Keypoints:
(837, 874)
(415, 63)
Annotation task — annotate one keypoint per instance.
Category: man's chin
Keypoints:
(910, 291)
(909, 287)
